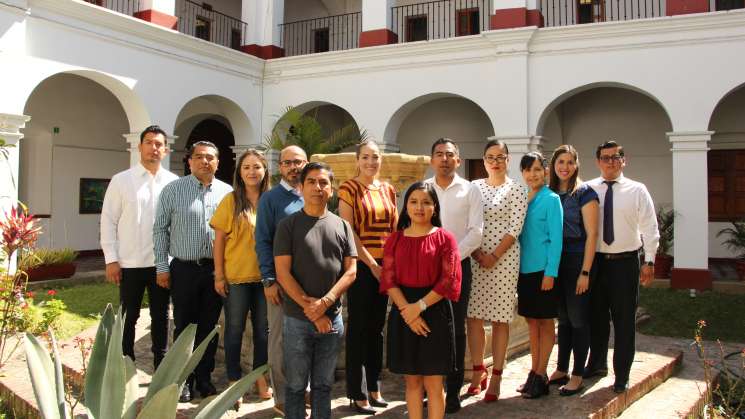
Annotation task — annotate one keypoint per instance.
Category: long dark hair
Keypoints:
(553, 180)
(404, 220)
(243, 206)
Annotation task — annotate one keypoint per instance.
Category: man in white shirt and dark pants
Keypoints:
(127, 219)
(627, 222)
(462, 214)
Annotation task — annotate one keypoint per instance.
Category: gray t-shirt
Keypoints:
(318, 247)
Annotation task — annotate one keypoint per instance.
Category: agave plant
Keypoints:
(111, 387)
(296, 128)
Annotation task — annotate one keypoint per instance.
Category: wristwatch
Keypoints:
(268, 282)
(422, 305)
(585, 273)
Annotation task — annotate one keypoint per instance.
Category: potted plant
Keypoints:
(50, 264)
(663, 261)
(735, 242)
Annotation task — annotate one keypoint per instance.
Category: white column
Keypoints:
(10, 126)
(690, 198)
(518, 147)
(164, 6)
(133, 138)
(376, 14)
(263, 18)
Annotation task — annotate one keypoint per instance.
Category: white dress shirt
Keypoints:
(634, 217)
(128, 215)
(461, 213)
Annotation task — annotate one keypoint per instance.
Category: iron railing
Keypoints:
(716, 5)
(126, 7)
(204, 23)
(572, 12)
(440, 19)
(330, 33)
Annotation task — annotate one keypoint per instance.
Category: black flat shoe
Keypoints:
(362, 410)
(559, 381)
(377, 402)
(205, 388)
(566, 392)
(595, 372)
(619, 388)
(452, 406)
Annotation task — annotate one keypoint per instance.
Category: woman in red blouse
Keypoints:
(421, 274)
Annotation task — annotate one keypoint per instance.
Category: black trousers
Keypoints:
(574, 315)
(614, 295)
(366, 307)
(131, 290)
(195, 301)
(454, 381)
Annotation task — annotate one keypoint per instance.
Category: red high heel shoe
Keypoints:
(475, 390)
(495, 375)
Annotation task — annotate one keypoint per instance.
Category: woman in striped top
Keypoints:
(369, 205)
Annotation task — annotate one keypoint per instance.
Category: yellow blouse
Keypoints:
(241, 262)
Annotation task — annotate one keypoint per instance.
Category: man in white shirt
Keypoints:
(462, 214)
(127, 219)
(627, 223)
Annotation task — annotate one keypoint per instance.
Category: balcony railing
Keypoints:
(440, 19)
(331, 33)
(126, 7)
(204, 23)
(572, 12)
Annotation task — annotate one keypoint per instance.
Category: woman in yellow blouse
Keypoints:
(369, 205)
(237, 277)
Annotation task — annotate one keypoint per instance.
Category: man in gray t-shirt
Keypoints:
(315, 261)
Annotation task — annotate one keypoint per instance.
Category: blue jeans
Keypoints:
(242, 299)
(311, 354)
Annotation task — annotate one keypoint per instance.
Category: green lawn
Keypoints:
(675, 313)
(84, 303)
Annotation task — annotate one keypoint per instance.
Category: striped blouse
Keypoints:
(375, 214)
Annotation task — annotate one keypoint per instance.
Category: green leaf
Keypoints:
(59, 377)
(225, 400)
(169, 371)
(97, 363)
(196, 356)
(114, 375)
(163, 405)
(42, 378)
(131, 389)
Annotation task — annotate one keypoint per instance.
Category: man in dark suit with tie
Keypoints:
(628, 221)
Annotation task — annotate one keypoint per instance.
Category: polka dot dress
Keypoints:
(493, 291)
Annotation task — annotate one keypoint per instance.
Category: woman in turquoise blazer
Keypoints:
(540, 242)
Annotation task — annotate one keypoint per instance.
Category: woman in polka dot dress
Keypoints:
(495, 266)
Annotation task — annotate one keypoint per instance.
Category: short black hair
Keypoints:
(608, 144)
(203, 143)
(529, 158)
(404, 220)
(443, 141)
(499, 143)
(316, 165)
(152, 129)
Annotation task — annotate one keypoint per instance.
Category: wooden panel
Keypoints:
(717, 183)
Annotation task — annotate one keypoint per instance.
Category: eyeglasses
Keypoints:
(614, 158)
(495, 159)
(288, 163)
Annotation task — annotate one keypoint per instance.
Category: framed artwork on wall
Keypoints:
(92, 192)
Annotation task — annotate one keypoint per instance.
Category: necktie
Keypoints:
(608, 213)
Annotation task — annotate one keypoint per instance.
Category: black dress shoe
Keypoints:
(187, 394)
(559, 381)
(362, 410)
(452, 405)
(205, 388)
(619, 388)
(377, 402)
(563, 391)
(595, 372)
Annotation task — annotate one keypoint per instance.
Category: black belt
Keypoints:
(198, 262)
(616, 256)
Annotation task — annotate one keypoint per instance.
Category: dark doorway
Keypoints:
(321, 40)
(476, 170)
(467, 22)
(416, 28)
(730, 4)
(219, 134)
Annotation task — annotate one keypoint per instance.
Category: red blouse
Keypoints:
(426, 261)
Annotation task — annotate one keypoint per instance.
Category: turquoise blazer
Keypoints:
(541, 238)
